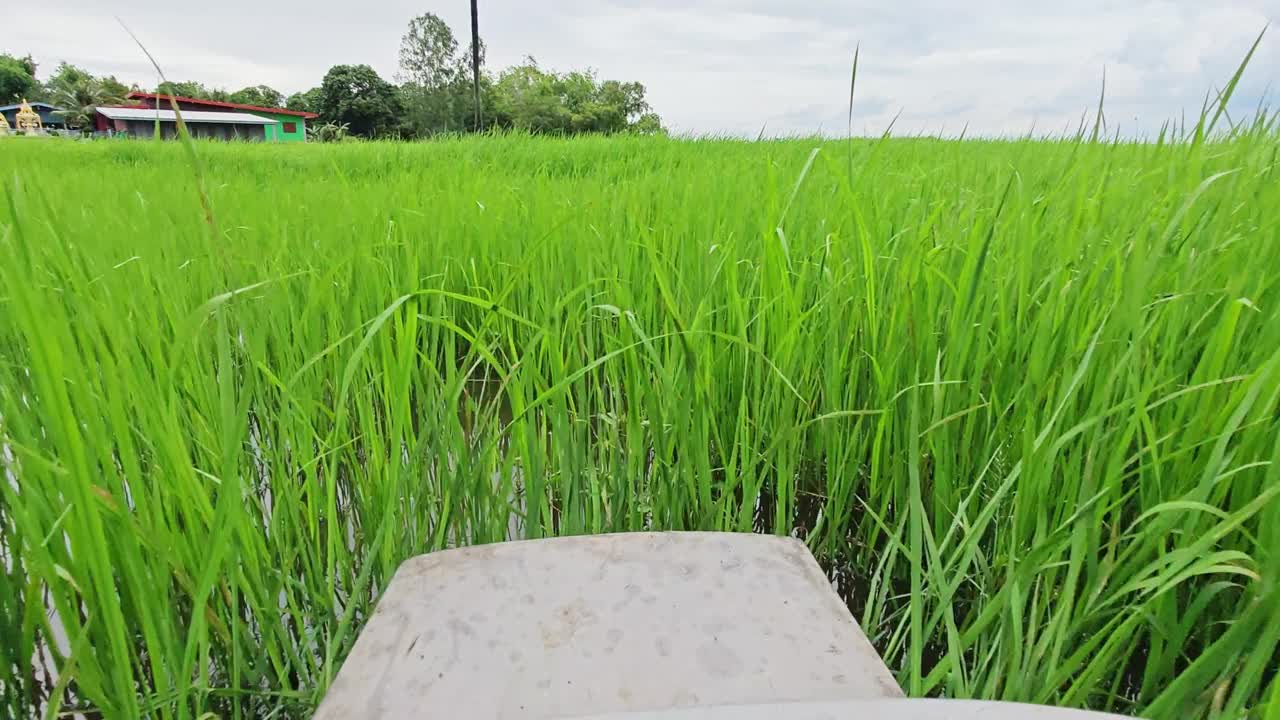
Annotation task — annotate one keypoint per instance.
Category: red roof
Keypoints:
(215, 103)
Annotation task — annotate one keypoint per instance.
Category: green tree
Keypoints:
(306, 101)
(357, 96)
(66, 75)
(17, 79)
(463, 105)
(79, 94)
(429, 53)
(530, 98)
(181, 89)
(28, 63)
(193, 89)
(260, 95)
(437, 92)
(648, 124)
(625, 99)
(527, 98)
(115, 88)
(447, 109)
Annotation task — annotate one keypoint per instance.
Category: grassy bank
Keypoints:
(1019, 397)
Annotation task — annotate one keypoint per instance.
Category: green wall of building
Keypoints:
(276, 133)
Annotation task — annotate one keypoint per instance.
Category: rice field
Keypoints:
(1020, 397)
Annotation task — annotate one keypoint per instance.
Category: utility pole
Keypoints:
(475, 60)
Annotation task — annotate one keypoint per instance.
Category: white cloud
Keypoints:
(725, 65)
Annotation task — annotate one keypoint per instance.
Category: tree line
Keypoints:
(433, 94)
(436, 94)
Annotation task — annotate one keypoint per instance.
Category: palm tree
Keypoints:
(79, 95)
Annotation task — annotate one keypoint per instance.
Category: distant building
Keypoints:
(49, 116)
(143, 122)
(281, 125)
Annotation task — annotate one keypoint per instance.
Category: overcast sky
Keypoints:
(724, 66)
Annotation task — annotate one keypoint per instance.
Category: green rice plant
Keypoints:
(1019, 396)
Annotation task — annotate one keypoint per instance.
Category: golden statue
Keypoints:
(28, 120)
(4, 126)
